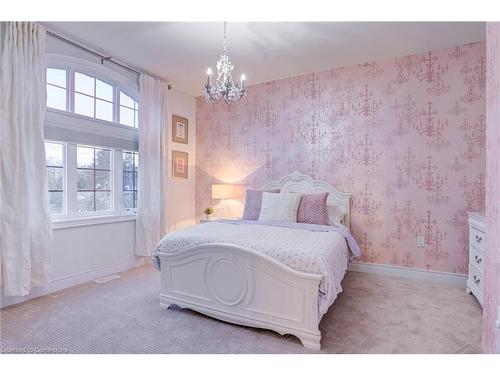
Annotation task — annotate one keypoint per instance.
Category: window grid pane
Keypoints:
(129, 111)
(93, 179)
(104, 110)
(126, 116)
(104, 90)
(126, 100)
(85, 157)
(54, 161)
(84, 105)
(56, 77)
(91, 97)
(130, 179)
(56, 97)
(84, 84)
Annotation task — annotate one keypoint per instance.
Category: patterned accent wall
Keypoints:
(406, 136)
(492, 289)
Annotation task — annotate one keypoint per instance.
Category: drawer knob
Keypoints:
(476, 279)
(479, 239)
(478, 260)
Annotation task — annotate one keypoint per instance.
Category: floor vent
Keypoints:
(105, 279)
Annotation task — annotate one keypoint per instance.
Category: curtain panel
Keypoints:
(25, 232)
(151, 221)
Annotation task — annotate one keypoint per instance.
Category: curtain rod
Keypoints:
(102, 57)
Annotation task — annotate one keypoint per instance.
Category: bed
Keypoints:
(277, 276)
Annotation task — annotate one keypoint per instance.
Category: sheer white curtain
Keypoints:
(25, 233)
(151, 213)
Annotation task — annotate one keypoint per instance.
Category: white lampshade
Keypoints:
(227, 191)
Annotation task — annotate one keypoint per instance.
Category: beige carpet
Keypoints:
(374, 314)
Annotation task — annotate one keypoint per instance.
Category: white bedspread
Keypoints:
(324, 253)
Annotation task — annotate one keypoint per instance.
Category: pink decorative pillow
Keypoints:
(253, 203)
(312, 209)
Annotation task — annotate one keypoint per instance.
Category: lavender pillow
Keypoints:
(253, 203)
(312, 209)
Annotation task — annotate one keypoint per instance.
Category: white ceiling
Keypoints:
(181, 51)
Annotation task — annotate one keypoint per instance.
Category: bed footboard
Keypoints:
(244, 287)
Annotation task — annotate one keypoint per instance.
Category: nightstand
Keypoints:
(203, 221)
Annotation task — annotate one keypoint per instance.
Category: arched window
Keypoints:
(75, 89)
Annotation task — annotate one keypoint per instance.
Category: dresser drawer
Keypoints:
(477, 238)
(477, 259)
(476, 281)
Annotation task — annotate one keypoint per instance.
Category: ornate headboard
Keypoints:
(297, 182)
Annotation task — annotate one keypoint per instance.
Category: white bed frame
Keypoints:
(245, 287)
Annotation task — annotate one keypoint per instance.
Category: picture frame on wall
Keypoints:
(180, 129)
(179, 164)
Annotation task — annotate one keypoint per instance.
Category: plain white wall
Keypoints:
(81, 254)
(89, 248)
(181, 202)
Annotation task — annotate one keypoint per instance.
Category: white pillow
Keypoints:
(279, 207)
(336, 215)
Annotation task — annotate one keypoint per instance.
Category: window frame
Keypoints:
(73, 65)
(95, 98)
(64, 211)
(71, 129)
(94, 190)
(136, 173)
(70, 186)
(136, 102)
(67, 88)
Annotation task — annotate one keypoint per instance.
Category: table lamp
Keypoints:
(226, 191)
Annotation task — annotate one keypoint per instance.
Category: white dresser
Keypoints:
(477, 255)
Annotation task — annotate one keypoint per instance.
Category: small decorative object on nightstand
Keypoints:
(209, 211)
(477, 255)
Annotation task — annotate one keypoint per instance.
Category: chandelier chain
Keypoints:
(224, 37)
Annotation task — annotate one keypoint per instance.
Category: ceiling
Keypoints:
(180, 52)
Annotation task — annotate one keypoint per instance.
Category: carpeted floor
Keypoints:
(374, 314)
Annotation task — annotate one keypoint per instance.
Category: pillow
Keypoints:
(312, 209)
(253, 202)
(336, 215)
(279, 207)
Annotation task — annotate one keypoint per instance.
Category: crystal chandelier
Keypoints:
(224, 87)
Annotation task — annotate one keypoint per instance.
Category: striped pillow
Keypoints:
(312, 209)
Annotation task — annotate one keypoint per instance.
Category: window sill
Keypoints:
(92, 220)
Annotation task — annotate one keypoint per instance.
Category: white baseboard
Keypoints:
(67, 282)
(410, 273)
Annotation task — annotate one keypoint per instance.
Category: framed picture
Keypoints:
(180, 130)
(179, 164)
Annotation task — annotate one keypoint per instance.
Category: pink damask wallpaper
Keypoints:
(405, 135)
(492, 289)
